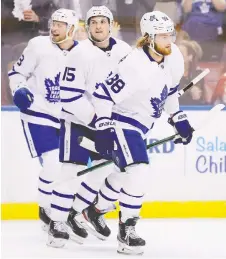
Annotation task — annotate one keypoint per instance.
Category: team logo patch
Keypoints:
(158, 103)
(53, 89)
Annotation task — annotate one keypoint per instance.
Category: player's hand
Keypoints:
(30, 16)
(104, 137)
(182, 126)
(115, 28)
(23, 98)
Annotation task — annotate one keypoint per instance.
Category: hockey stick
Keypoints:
(88, 144)
(85, 142)
(194, 81)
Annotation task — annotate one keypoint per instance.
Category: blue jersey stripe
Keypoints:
(67, 196)
(41, 115)
(103, 97)
(110, 187)
(76, 90)
(122, 191)
(131, 121)
(106, 198)
(44, 181)
(60, 208)
(47, 193)
(89, 188)
(13, 73)
(69, 100)
(83, 199)
(130, 206)
(173, 90)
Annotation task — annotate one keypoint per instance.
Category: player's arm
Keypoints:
(110, 91)
(177, 72)
(178, 118)
(18, 75)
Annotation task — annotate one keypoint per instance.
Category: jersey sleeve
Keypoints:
(110, 91)
(177, 71)
(125, 49)
(24, 67)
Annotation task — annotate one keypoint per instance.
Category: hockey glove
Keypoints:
(23, 98)
(183, 128)
(104, 137)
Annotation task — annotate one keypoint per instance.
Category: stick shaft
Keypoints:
(110, 161)
(194, 81)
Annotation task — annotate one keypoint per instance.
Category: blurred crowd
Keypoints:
(201, 37)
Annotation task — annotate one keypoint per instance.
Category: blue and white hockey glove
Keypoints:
(104, 137)
(182, 126)
(23, 98)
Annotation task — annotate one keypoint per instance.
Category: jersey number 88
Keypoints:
(116, 83)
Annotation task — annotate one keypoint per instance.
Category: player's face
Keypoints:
(99, 28)
(58, 31)
(163, 43)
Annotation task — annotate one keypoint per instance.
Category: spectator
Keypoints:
(192, 53)
(81, 33)
(219, 95)
(171, 8)
(42, 10)
(182, 35)
(128, 14)
(9, 56)
(6, 57)
(35, 21)
(203, 23)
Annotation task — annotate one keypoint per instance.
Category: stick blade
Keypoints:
(211, 115)
(218, 107)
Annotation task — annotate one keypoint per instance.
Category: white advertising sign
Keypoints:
(178, 173)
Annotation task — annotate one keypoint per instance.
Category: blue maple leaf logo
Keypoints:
(158, 104)
(53, 89)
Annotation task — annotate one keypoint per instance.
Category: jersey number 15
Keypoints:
(69, 74)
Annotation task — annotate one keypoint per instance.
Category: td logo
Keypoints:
(167, 147)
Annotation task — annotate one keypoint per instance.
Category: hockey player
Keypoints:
(34, 81)
(77, 115)
(127, 105)
(98, 22)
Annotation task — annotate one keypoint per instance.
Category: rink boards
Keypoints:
(185, 181)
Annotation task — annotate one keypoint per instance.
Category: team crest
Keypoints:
(53, 89)
(158, 103)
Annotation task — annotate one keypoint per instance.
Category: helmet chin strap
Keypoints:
(66, 38)
(152, 47)
(58, 42)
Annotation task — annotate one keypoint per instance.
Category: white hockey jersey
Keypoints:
(38, 69)
(116, 50)
(139, 89)
(89, 65)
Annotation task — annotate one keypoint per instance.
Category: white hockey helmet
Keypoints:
(156, 22)
(99, 11)
(69, 17)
